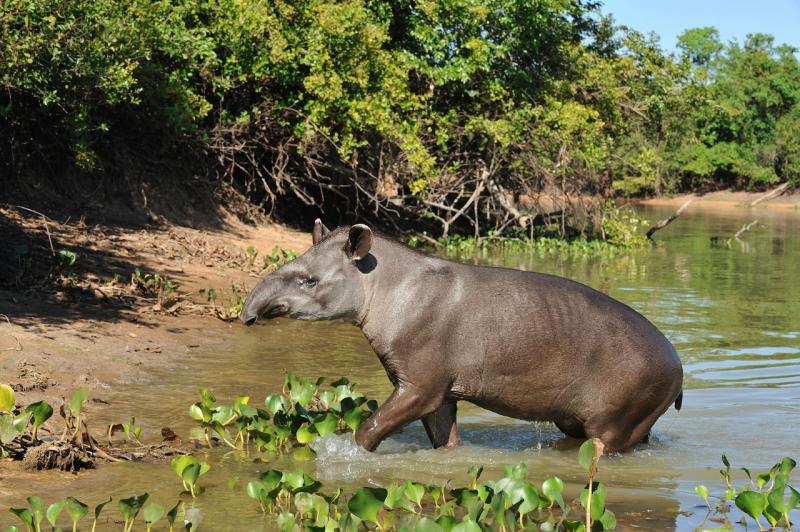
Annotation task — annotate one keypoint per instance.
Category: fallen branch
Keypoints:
(774, 193)
(19, 344)
(499, 195)
(745, 228)
(665, 222)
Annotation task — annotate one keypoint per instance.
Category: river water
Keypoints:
(731, 308)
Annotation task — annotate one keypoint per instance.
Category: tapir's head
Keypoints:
(325, 283)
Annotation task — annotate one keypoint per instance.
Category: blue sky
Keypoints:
(733, 18)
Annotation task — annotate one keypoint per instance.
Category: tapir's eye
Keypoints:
(308, 282)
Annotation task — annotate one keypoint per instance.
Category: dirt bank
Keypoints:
(728, 199)
(88, 325)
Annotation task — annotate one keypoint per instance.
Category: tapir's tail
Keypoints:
(679, 401)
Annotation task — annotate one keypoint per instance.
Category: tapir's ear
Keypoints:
(319, 231)
(359, 241)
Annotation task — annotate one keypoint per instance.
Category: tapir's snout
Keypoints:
(264, 301)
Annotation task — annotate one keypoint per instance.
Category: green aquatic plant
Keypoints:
(769, 496)
(75, 406)
(14, 425)
(130, 508)
(296, 500)
(76, 510)
(40, 412)
(303, 412)
(189, 469)
(129, 429)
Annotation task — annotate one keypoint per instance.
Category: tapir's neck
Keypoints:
(389, 293)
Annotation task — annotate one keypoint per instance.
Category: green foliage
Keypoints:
(305, 411)
(189, 470)
(12, 425)
(623, 227)
(769, 497)
(8, 399)
(396, 109)
(295, 499)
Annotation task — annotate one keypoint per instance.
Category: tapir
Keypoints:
(522, 344)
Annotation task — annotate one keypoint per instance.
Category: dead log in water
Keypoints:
(665, 222)
(745, 228)
(774, 193)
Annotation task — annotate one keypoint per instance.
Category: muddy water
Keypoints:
(731, 308)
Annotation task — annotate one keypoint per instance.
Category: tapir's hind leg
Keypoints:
(441, 425)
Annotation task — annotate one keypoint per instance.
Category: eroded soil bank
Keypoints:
(88, 326)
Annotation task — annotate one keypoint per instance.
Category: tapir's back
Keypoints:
(534, 341)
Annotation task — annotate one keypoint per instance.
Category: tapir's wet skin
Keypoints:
(733, 314)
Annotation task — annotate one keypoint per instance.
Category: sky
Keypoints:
(733, 18)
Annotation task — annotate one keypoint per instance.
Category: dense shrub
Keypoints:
(447, 113)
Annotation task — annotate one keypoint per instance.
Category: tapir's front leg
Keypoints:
(407, 403)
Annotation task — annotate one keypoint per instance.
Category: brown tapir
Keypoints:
(522, 344)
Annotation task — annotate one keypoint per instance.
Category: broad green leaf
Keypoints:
(366, 502)
(285, 522)
(271, 478)
(53, 511)
(223, 415)
(426, 524)
(256, 490)
(304, 434)
(303, 453)
(179, 463)
(191, 473)
(8, 399)
(447, 522)
(395, 496)
(75, 508)
(275, 402)
(206, 398)
(37, 509)
(786, 467)
(25, 516)
(294, 478)
(354, 418)
(467, 525)
(302, 393)
(553, 489)
(152, 513)
(77, 399)
(326, 425)
(586, 454)
(598, 499)
(530, 499)
(415, 491)
(196, 412)
(752, 503)
(131, 506)
(608, 520)
(40, 412)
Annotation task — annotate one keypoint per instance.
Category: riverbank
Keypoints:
(94, 326)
